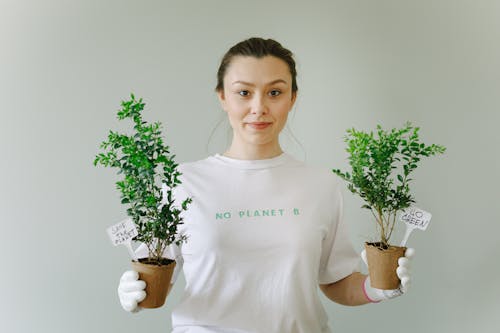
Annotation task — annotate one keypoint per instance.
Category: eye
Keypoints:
(244, 93)
(275, 92)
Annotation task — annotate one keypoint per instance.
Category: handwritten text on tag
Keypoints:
(416, 218)
(122, 232)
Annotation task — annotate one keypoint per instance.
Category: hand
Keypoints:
(131, 291)
(403, 271)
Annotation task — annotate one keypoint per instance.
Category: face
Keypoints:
(257, 97)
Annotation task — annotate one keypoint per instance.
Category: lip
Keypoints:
(259, 125)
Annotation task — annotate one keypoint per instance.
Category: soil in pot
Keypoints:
(157, 278)
(382, 265)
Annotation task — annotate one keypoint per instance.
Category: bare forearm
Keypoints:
(348, 291)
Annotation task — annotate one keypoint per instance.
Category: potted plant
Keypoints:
(374, 161)
(146, 163)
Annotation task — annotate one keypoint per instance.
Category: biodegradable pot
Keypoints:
(382, 265)
(157, 278)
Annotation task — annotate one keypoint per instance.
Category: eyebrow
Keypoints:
(253, 85)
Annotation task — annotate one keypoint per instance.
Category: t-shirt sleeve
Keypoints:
(338, 258)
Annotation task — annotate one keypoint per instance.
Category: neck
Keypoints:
(253, 152)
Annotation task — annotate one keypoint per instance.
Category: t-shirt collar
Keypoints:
(252, 164)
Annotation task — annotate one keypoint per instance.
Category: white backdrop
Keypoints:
(66, 65)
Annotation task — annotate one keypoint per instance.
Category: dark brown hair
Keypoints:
(257, 47)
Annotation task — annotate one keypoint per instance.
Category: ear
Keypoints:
(222, 99)
(294, 98)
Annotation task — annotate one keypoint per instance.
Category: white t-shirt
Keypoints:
(262, 234)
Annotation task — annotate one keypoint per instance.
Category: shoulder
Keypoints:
(187, 170)
(319, 179)
(319, 174)
(196, 166)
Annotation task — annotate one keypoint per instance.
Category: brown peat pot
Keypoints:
(157, 278)
(382, 265)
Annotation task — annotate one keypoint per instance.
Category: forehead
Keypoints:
(256, 70)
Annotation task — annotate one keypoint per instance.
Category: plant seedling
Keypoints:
(381, 168)
(146, 164)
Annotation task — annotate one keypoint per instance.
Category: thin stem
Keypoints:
(378, 222)
(392, 224)
(382, 225)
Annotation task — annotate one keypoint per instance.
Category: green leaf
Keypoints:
(372, 160)
(137, 156)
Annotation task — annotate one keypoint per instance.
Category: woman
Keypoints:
(265, 230)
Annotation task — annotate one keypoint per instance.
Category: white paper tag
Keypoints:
(416, 218)
(122, 232)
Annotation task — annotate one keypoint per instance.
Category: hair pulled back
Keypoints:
(257, 47)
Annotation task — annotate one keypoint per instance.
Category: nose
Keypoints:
(258, 105)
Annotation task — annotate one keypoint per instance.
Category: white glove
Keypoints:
(403, 271)
(131, 291)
